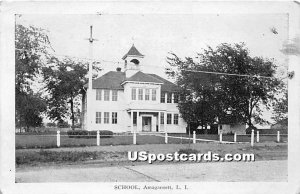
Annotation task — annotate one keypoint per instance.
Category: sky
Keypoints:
(156, 35)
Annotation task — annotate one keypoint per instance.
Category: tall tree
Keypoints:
(64, 81)
(228, 97)
(29, 106)
(31, 50)
(280, 114)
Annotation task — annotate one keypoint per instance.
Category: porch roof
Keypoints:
(145, 110)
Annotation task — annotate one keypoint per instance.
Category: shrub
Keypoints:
(77, 133)
(230, 133)
(63, 124)
(78, 125)
(249, 129)
(51, 125)
(89, 134)
(106, 133)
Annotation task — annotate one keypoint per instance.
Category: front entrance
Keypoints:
(146, 124)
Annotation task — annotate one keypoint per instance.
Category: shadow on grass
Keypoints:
(44, 156)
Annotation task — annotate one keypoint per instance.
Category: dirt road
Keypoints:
(270, 170)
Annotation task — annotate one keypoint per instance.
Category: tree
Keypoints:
(64, 81)
(32, 46)
(280, 114)
(224, 96)
(51, 124)
(62, 124)
(29, 106)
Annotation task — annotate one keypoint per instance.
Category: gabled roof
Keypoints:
(114, 79)
(142, 77)
(167, 85)
(132, 52)
(110, 80)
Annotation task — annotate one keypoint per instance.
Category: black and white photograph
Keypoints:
(140, 97)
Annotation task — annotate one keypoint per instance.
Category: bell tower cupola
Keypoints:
(132, 60)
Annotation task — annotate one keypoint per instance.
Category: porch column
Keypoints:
(165, 121)
(138, 123)
(158, 121)
(131, 121)
(166, 97)
(153, 127)
(172, 98)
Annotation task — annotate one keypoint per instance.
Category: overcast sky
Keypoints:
(155, 35)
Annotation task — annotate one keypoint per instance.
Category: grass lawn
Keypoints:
(117, 155)
(49, 140)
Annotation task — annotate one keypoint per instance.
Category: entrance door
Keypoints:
(146, 123)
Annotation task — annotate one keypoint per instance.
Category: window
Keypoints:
(106, 95)
(153, 94)
(220, 127)
(98, 94)
(169, 118)
(135, 61)
(175, 119)
(134, 117)
(114, 95)
(169, 97)
(98, 117)
(162, 118)
(106, 117)
(140, 94)
(133, 94)
(147, 94)
(162, 98)
(176, 97)
(114, 118)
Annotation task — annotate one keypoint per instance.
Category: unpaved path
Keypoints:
(271, 170)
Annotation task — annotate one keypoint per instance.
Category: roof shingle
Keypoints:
(133, 52)
(110, 80)
(167, 85)
(114, 79)
(142, 77)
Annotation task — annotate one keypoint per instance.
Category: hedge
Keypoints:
(89, 134)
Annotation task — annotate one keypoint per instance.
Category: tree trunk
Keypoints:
(72, 113)
(20, 122)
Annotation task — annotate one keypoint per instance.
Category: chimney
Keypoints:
(118, 69)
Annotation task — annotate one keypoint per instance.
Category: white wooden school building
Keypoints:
(131, 100)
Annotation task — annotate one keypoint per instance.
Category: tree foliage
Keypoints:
(32, 46)
(280, 114)
(29, 108)
(64, 82)
(209, 97)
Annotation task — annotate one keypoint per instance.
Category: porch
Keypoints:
(147, 120)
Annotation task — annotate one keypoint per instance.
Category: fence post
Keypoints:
(257, 136)
(98, 138)
(252, 137)
(58, 139)
(194, 136)
(134, 138)
(166, 138)
(220, 137)
(278, 136)
(234, 137)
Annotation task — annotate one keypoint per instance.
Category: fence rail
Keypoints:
(64, 140)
